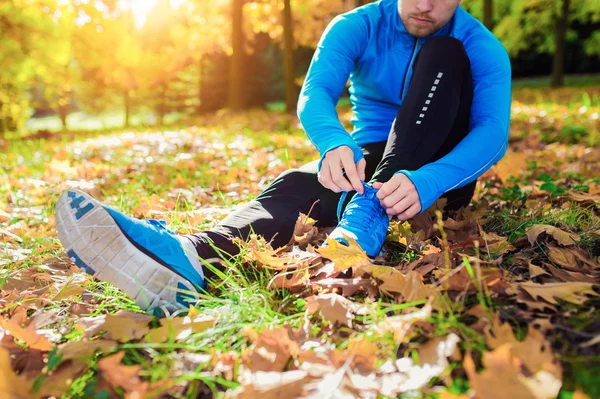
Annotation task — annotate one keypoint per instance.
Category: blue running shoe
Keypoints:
(141, 257)
(364, 220)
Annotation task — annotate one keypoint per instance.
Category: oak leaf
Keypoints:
(272, 349)
(410, 286)
(123, 326)
(334, 308)
(574, 292)
(561, 236)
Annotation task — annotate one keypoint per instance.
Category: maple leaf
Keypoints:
(502, 377)
(334, 308)
(12, 386)
(344, 257)
(410, 286)
(271, 351)
(534, 351)
(126, 377)
(123, 326)
(179, 328)
(571, 292)
(28, 335)
(561, 236)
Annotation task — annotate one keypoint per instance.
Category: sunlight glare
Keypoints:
(141, 8)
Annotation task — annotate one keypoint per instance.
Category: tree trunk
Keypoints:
(200, 82)
(562, 24)
(236, 70)
(488, 15)
(291, 97)
(63, 112)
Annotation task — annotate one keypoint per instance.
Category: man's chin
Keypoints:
(420, 33)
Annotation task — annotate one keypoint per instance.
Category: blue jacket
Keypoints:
(371, 46)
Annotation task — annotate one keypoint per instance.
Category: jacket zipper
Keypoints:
(412, 59)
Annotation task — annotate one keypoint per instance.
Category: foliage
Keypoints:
(499, 300)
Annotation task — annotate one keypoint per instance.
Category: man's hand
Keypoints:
(399, 196)
(331, 174)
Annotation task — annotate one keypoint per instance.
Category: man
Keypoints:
(430, 88)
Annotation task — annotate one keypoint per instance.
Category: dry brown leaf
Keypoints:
(502, 378)
(334, 308)
(123, 326)
(348, 286)
(272, 385)
(512, 164)
(584, 197)
(570, 292)
(400, 325)
(271, 351)
(80, 350)
(410, 286)
(28, 334)
(535, 271)
(495, 243)
(305, 231)
(344, 257)
(126, 377)
(567, 276)
(261, 252)
(534, 351)
(561, 236)
(12, 386)
(179, 328)
(58, 381)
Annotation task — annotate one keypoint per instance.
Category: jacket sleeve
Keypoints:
(341, 44)
(487, 140)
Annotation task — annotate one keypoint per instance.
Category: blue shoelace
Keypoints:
(360, 212)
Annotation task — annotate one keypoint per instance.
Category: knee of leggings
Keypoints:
(444, 49)
(296, 178)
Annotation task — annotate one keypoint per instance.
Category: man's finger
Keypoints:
(394, 198)
(338, 178)
(400, 206)
(361, 166)
(352, 173)
(387, 188)
(325, 178)
(410, 212)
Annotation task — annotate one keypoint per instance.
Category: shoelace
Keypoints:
(361, 212)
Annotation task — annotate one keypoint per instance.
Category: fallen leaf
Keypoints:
(12, 386)
(81, 350)
(502, 377)
(28, 334)
(535, 271)
(334, 308)
(347, 286)
(271, 350)
(344, 257)
(272, 385)
(410, 286)
(400, 325)
(495, 243)
(119, 375)
(561, 236)
(534, 351)
(123, 326)
(179, 328)
(571, 292)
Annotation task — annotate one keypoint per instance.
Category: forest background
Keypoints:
(150, 62)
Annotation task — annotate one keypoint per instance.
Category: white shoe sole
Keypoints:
(96, 244)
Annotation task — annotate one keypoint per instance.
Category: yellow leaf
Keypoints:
(344, 257)
(29, 335)
(179, 328)
(410, 286)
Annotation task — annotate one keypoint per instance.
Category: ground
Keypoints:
(495, 301)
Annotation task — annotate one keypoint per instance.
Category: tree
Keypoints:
(236, 69)
(488, 16)
(562, 23)
(291, 96)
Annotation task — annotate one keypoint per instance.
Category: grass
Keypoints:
(190, 177)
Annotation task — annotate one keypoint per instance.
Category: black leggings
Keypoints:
(417, 138)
